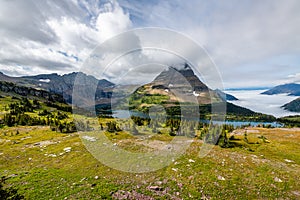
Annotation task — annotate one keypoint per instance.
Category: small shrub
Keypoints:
(9, 193)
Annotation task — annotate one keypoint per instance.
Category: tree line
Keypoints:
(18, 115)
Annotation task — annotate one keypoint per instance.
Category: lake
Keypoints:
(125, 114)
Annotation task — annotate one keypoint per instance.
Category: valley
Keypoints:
(42, 143)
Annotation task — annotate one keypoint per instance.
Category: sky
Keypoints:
(253, 43)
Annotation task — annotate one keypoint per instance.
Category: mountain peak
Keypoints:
(180, 76)
(182, 67)
(182, 80)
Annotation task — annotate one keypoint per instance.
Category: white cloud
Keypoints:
(292, 78)
(235, 33)
(55, 36)
(242, 37)
(112, 21)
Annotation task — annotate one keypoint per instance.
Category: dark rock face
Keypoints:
(26, 91)
(292, 89)
(293, 106)
(179, 77)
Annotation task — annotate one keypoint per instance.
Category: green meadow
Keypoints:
(34, 162)
(49, 160)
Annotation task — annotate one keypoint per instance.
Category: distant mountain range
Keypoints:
(62, 84)
(291, 89)
(184, 80)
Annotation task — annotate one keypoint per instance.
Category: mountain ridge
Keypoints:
(62, 84)
(293, 106)
(23, 91)
(180, 89)
(292, 89)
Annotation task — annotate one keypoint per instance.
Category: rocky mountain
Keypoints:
(180, 84)
(6, 78)
(292, 89)
(183, 80)
(179, 89)
(170, 88)
(293, 106)
(63, 84)
(16, 90)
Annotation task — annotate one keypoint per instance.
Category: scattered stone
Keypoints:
(174, 169)
(191, 161)
(297, 193)
(52, 155)
(156, 188)
(82, 179)
(67, 149)
(217, 184)
(96, 177)
(204, 197)
(89, 138)
(12, 175)
(121, 194)
(179, 185)
(29, 159)
(288, 161)
(221, 178)
(278, 180)
(24, 138)
(159, 182)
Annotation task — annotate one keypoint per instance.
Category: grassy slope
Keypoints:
(140, 101)
(27, 158)
(247, 174)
